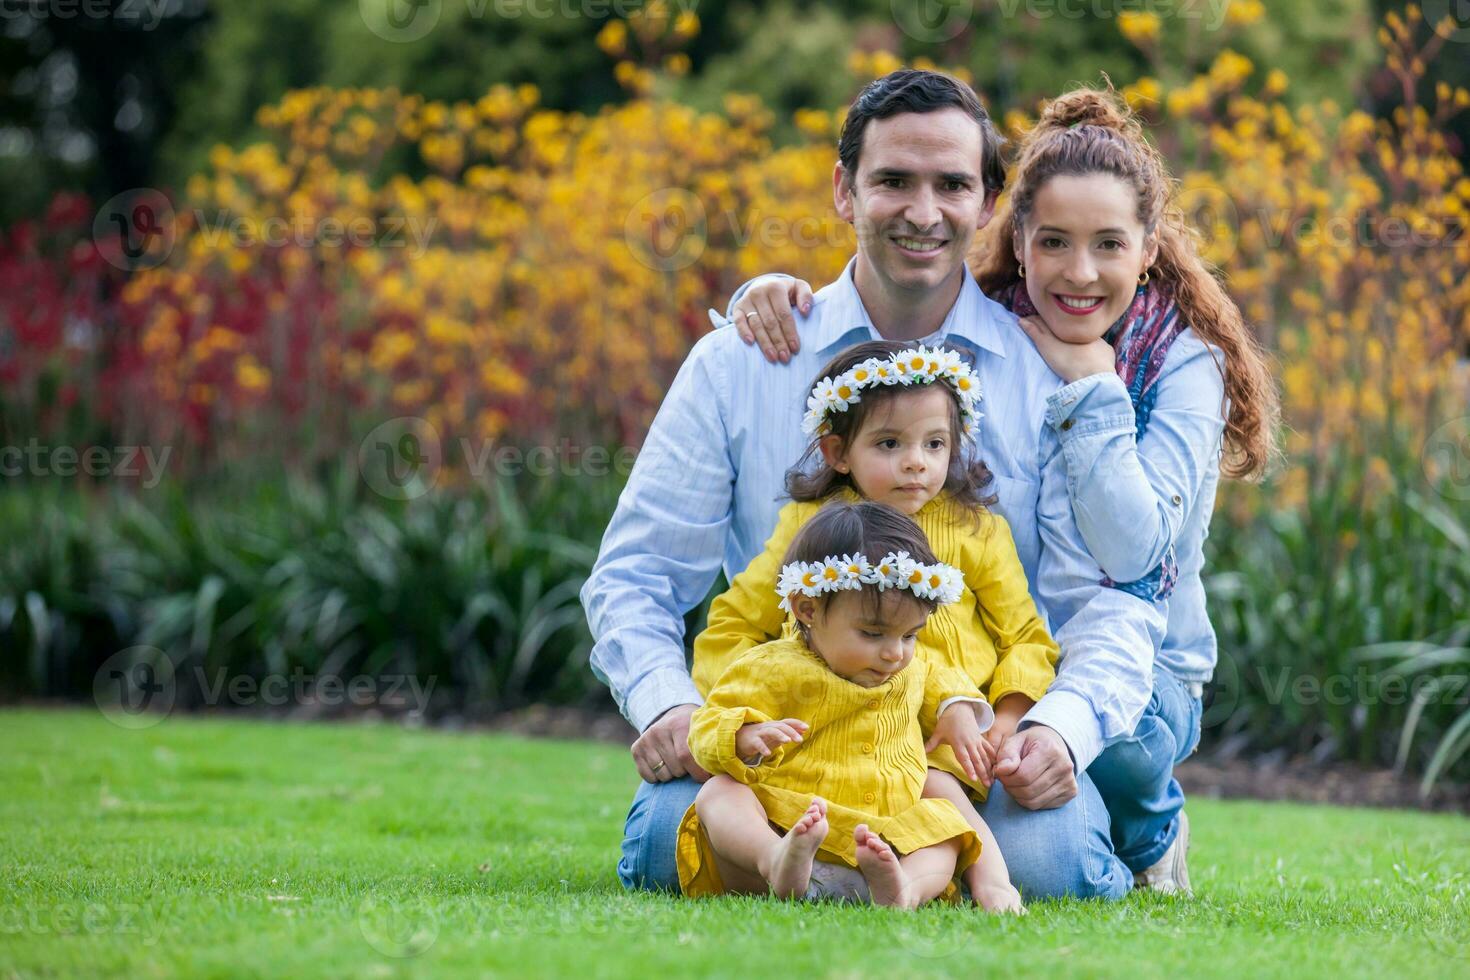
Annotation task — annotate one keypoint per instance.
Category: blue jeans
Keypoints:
(1135, 776)
(1050, 853)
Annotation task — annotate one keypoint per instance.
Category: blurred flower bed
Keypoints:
(516, 276)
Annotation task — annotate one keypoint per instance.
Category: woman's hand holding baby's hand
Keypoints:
(764, 738)
(958, 729)
(1070, 361)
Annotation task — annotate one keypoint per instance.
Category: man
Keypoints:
(918, 173)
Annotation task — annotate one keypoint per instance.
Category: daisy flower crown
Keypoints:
(939, 582)
(915, 366)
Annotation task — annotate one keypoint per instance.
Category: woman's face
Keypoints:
(1083, 249)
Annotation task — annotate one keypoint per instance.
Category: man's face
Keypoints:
(916, 199)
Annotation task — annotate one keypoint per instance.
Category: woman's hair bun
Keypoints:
(1088, 107)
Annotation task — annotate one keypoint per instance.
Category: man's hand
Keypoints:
(763, 738)
(662, 751)
(1009, 711)
(958, 729)
(763, 316)
(1070, 361)
(1035, 767)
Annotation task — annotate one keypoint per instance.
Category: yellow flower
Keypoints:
(250, 376)
(1242, 13)
(613, 38)
(1140, 27)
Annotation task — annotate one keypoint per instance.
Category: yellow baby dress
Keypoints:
(863, 753)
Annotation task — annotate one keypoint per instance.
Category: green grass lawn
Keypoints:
(219, 847)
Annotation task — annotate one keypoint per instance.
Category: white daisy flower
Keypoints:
(886, 371)
(950, 362)
(856, 568)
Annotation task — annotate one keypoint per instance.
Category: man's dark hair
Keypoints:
(915, 90)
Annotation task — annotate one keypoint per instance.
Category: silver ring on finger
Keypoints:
(752, 313)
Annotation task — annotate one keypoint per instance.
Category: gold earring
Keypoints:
(1021, 270)
(1143, 278)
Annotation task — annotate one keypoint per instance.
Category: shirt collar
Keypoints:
(973, 319)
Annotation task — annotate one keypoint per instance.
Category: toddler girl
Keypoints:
(888, 422)
(840, 707)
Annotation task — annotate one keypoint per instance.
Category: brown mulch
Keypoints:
(1299, 781)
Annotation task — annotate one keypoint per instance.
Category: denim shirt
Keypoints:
(1135, 497)
(708, 483)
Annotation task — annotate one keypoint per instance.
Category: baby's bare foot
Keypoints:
(791, 860)
(886, 879)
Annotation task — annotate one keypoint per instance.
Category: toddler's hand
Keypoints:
(998, 732)
(763, 738)
(998, 897)
(958, 729)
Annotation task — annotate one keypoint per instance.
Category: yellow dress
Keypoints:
(993, 633)
(863, 753)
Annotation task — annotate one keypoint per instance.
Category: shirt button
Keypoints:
(873, 703)
(1066, 424)
(1177, 500)
(868, 797)
(867, 747)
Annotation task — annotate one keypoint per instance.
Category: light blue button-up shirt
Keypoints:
(708, 484)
